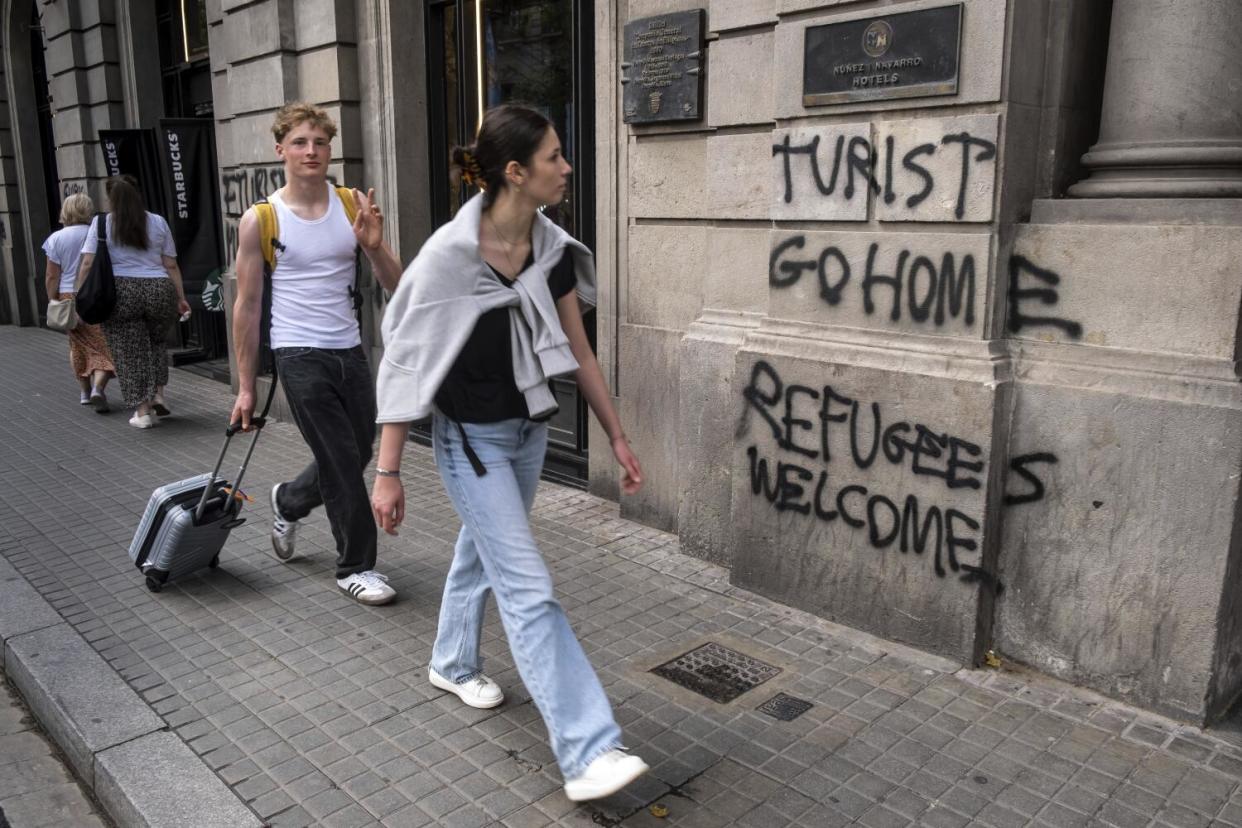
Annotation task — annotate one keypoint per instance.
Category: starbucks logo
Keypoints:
(877, 38)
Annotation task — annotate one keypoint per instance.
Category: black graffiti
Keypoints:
(811, 149)
(987, 151)
(1019, 466)
(979, 575)
(946, 532)
(69, 188)
(863, 164)
(1047, 295)
(949, 292)
(956, 461)
(242, 187)
(929, 183)
(943, 285)
(230, 240)
(860, 158)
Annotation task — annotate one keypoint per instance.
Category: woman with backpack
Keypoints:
(149, 297)
(486, 315)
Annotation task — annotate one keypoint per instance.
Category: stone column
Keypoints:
(1171, 123)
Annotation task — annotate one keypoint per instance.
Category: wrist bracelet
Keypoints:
(387, 473)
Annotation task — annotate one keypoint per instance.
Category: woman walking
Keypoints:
(486, 315)
(88, 353)
(149, 296)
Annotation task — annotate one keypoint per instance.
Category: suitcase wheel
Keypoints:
(153, 584)
(214, 562)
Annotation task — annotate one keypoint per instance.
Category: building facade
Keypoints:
(922, 316)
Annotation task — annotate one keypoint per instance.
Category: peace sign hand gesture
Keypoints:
(369, 225)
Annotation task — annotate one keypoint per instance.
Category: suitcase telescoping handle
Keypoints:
(256, 423)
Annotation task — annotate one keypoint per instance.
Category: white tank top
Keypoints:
(311, 305)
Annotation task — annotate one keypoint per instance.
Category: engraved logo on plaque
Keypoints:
(877, 38)
(653, 102)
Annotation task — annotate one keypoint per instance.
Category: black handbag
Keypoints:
(96, 298)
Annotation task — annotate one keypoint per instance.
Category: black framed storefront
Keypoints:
(482, 53)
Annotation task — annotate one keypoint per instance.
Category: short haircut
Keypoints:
(77, 209)
(297, 112)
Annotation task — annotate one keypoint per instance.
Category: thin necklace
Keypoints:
(508, 245)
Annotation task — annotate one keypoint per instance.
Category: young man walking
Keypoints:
(316, 343)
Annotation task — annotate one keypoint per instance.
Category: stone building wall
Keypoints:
(84, 80)
(910, 405)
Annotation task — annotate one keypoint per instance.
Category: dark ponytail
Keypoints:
(509, 132)
(129, 214)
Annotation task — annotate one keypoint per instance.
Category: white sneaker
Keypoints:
(480, 691)
(142, 420)
(368, 587)
(85, 399)
(284, 532)
(608, 774)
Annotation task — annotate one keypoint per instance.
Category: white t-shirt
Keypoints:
(64, 248)
(311, 305)
(131, 261)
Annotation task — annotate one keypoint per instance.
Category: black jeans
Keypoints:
(332, 398)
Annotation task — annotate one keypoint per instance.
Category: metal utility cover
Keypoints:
(716, 672)
(784, 707)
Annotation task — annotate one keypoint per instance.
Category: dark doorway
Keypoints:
(539, 52)
(185, 74)
(53, 194)
(43, 105)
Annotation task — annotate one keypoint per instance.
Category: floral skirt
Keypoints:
(88, 351)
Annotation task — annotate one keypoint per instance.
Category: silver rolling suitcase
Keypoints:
(186, 523)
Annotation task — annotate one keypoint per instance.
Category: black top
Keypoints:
(480, 387)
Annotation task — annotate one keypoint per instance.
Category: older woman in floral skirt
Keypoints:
(88, 352)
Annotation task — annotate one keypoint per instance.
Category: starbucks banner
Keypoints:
(187, 154)
(133, 152)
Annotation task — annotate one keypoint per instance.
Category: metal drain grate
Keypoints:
(783, 707)
(716, 672)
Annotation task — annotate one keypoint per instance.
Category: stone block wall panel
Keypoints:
(924, 283)
(1153, 288)
(861, 493)
(649, 360)
(1115, 552)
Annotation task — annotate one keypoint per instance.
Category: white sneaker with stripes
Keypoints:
(368, 587)
(284, 532)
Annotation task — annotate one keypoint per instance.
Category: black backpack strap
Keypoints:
(355, 292)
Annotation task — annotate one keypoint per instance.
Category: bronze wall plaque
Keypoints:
(906, 55)
(662, 71)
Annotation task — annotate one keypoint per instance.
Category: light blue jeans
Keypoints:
(496, 552)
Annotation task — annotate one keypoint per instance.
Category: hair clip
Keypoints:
(471, 171)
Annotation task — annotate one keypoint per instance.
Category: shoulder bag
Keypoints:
(96, 298)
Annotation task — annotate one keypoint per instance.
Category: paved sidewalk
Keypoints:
(36, 787)
(315, 710)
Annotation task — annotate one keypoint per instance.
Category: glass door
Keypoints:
(540, 53)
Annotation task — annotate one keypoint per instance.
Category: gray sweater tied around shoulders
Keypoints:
(443, 293)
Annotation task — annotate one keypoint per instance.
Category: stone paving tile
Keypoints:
(316, 710)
